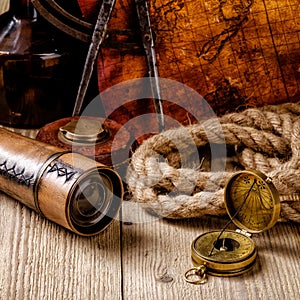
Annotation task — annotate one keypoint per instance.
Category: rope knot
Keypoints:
(180, 174)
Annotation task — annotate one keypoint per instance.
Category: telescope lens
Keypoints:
(91, 201)
(93, 204)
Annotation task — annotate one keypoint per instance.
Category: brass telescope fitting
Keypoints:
(67, 188)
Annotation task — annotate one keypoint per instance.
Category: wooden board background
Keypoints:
(142, 258)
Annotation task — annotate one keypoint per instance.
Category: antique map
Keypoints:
(235, 53)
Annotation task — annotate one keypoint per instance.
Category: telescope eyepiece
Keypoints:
(94, 201)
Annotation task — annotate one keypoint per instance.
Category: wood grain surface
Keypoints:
(139, 258)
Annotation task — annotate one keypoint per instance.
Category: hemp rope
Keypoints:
(165, 175)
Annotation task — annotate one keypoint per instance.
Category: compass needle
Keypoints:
(231, 218)
(148, 44)
(98, 37)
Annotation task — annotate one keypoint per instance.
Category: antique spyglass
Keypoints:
(65, 187)
(38, 74)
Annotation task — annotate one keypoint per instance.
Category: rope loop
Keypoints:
(172, 172)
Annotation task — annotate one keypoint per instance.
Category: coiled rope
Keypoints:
(166, 175)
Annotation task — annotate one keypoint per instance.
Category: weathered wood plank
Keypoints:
(157, 254)
(40, 260)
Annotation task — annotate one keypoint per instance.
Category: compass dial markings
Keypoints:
(253, 204)
(250, 200)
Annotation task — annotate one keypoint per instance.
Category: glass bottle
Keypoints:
(38, 74)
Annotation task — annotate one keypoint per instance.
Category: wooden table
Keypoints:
(142, 257)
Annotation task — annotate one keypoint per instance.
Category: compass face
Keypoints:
(230, 254)
(252, 201)
(230, 247)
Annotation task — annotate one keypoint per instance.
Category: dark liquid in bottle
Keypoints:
(33, 89)
(38, 80)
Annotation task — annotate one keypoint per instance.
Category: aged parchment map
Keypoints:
(235, 53)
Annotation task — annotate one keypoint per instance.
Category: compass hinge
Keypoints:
(244, 232)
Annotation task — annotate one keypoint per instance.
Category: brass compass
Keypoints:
(252, 203)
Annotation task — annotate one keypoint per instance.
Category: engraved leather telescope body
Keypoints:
(67, 188)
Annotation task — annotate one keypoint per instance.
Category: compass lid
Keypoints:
(252, 201)
(85, 131)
